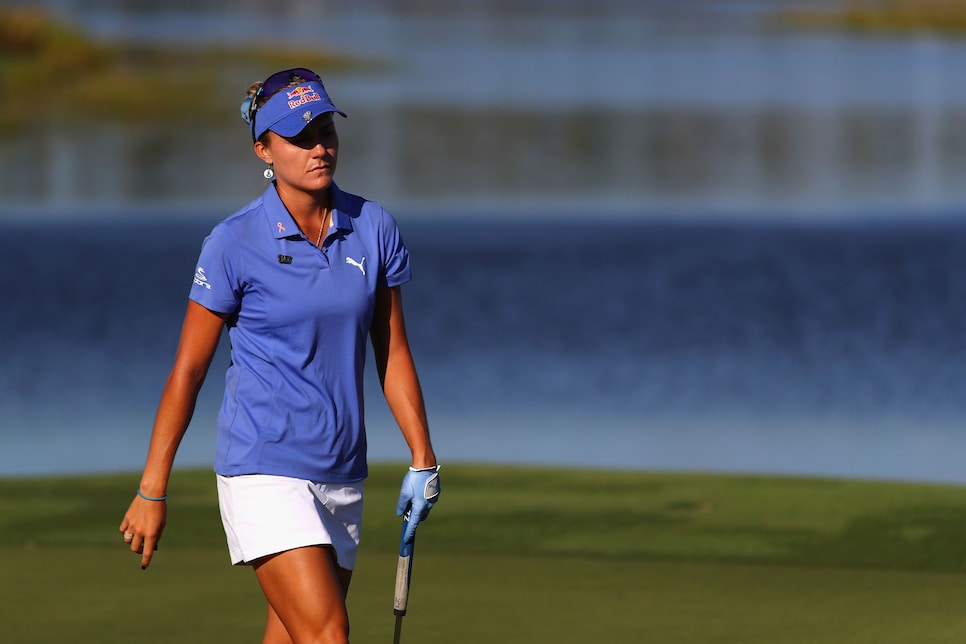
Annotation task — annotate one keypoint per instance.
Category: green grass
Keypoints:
(517, 554)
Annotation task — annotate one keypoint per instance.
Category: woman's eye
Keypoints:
(303, 141)
(311, 139)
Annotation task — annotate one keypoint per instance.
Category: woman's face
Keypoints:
(306, 161)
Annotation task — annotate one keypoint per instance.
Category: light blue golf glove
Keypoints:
(419, 493)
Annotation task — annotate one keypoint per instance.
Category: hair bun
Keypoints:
(254, 88)
(246, 104)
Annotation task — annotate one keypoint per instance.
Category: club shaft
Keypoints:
(398, 632)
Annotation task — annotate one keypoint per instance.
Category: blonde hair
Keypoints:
(252, 91)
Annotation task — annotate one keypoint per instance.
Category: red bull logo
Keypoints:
(301, 95)
(299, 91)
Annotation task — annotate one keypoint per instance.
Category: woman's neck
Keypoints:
(307, 209)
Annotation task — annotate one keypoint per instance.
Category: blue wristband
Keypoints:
(151, 498)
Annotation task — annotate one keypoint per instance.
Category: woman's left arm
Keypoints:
(397, 375)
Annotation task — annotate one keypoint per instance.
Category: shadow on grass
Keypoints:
(926, 537)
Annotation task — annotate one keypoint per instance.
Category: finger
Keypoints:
(411, 528)
(149, 546)
(403, 504)
(419, 509)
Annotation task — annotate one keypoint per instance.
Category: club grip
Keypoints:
(404, 570)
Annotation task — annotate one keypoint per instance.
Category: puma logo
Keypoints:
(359, 265)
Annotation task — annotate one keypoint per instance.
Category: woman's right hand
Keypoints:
(142, 527)
(144, 520)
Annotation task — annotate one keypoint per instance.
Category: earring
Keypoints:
(269, 172)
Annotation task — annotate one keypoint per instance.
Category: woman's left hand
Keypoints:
(419, 493)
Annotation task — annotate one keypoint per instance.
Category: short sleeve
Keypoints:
(396, 268)
(216, 285)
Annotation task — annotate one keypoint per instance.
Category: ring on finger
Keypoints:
(128, 537)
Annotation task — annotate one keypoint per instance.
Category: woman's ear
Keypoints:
(263, 153)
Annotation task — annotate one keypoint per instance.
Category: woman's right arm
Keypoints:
(145, 518)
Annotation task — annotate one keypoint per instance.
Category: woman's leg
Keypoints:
(275, 632)
(306, 591)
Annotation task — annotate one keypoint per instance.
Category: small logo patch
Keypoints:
(307, 115)
(201, 279)
(359, 265)
(284, 259)
(431, 491)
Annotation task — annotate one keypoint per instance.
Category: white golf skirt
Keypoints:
(264, 515)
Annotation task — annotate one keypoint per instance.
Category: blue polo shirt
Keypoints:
(299, 320)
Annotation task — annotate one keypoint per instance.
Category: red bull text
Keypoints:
(301, 95)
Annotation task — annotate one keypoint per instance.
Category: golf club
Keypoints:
(404, 571)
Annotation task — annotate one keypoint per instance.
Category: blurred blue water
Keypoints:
(657, 234)
(823, 349)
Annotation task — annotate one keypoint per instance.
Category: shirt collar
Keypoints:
(340, 219)
(281, 221)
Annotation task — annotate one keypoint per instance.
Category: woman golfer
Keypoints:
(302, 278)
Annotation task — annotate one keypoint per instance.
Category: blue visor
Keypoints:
(290, 109)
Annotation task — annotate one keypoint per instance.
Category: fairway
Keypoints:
(517, 554)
